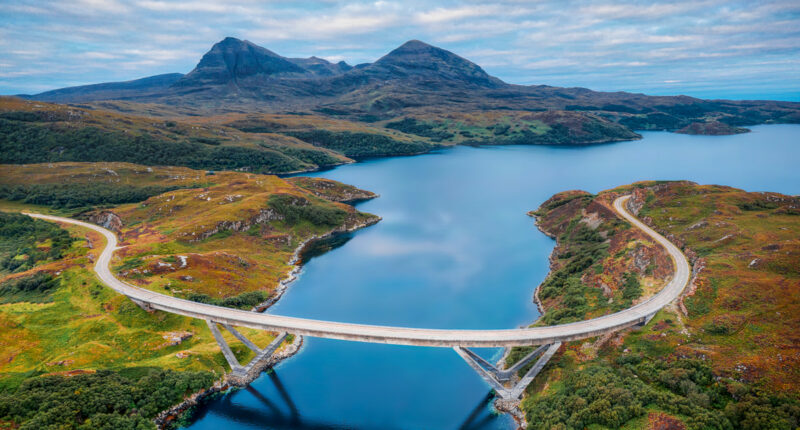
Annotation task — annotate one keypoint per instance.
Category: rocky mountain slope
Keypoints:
(414, 80)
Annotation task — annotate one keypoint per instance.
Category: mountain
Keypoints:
(418, 60)
(138, 88)
(321, 67)
(415, 84)
(234, 62)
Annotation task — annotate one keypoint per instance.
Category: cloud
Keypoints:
(98, 55)
(599, 44)
(440, 14)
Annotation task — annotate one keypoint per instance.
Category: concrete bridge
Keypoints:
(549, 337)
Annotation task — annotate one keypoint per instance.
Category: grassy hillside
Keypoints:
(725, 356)
(36, 132)
(508, 127)
(351, 138)
(227, 242)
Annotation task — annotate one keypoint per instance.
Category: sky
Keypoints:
(704, 48)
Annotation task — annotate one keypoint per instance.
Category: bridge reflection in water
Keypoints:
(271, 406)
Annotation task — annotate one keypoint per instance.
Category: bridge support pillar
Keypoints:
(240, 374)
(647, 319)
(143, 305)
(496, 377)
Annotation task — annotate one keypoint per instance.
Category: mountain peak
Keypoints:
(232, 59)
(417, 58)
(416, 44)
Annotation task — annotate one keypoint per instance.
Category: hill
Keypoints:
(136, 88)
(76, 354)
(35, 132)
(725, 355)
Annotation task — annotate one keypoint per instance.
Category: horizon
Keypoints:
(705, 49)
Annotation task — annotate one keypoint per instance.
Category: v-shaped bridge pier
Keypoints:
(497, 377)
(239, 372)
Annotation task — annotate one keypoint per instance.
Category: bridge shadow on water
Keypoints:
(281, 412)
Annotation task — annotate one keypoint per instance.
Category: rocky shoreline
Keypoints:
(167, 418)
(295, 269)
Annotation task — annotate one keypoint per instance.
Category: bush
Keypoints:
(412, 126)
(610, 396)
(631, 288)
(757, 205)
(72, 196)
(297, 209)
(34, 288)
(359, 145)
(246, 300)
(19, 237)
(103, 400)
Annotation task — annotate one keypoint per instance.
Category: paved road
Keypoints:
(402, 335)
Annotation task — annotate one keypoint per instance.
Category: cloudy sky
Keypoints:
(705, 48)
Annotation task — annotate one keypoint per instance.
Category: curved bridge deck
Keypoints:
(402, 335)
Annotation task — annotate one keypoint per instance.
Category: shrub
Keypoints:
(34, 288)
(19, 236)
(297, 209)
(244, 300)
(103, 400)
(358, 145)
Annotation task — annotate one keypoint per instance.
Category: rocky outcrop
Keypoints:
(264, 216)
(167, 418)
(332, 190)
(106, 219)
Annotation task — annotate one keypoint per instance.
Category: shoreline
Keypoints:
(512, 407)
(294, 271)
(165, 419)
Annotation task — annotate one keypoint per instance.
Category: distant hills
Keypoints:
(137, 88)
(425, 92)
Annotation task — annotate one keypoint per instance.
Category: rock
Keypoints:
(106, 219)
(699, 224)
(636, 202)
(60, 363)
(176, 337)
(263, 216)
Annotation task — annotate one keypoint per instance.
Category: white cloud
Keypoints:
(440, 14)
(98, 55)
(592, 43)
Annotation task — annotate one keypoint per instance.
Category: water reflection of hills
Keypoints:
(321, 246)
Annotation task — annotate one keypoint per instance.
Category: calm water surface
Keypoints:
(456, 250)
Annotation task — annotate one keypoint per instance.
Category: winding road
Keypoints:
(637, 314)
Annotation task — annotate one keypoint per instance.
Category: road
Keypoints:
(402, 335)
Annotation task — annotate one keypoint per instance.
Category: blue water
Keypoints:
(456, 250)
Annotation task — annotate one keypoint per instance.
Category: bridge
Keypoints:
(548, 338)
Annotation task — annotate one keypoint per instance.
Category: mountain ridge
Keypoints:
(414, 80)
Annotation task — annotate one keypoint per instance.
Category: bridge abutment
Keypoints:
(497, 377)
